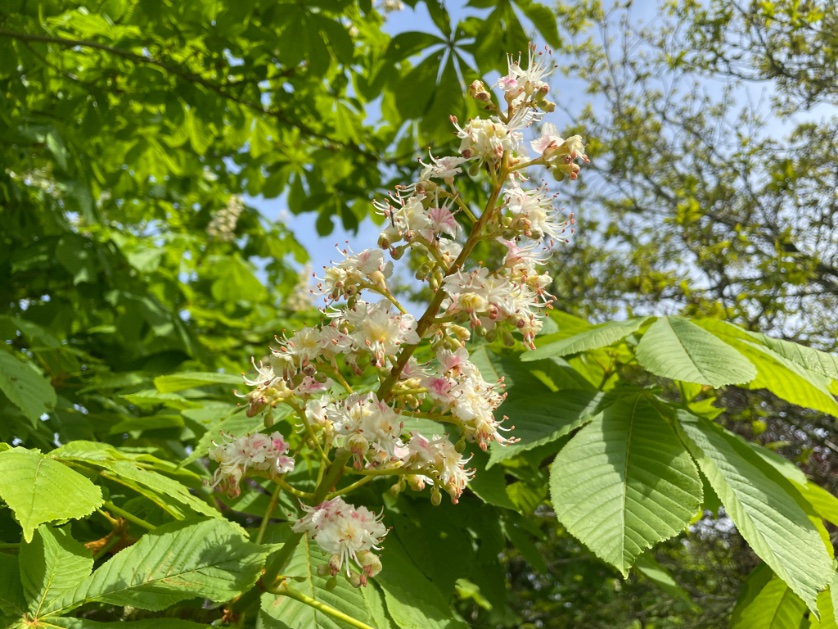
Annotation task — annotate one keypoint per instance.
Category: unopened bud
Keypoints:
(508, 339)
(491, 335)
(477, 90)
(397, 252)
(436, 496)
(330, 584)
(321, 377)
(269, 419)
(474, 170)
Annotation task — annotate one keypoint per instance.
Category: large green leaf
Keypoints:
(782, 376)
(412, 600)
(600, 336)
(282, 612)
(38, 489)
(807, 357)
(625, 482)
(52, 564)
(767, 603)
(208, 558)
(25, 387)
(676, 348)
(763, 505)
(544, 418)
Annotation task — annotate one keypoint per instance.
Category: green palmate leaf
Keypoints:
(624, 482)
(676, 348)
(39, 489)
(152, 397)
(376, 606)
(25, 387)
(597, 337)
(767, 603)
(412, 600)
(52, 564)
(807, 357)
(190, 379)
(207, 558)
(657, 574)
(543, 418)
(828, 606)
(282, 612)
(763, 505)
(783, 377)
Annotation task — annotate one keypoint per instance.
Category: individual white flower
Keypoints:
(486, 139)
(345, 278)
(440, 463)
(534, 214)
(445, 168)
(369, 428)
(378, 331)
(519, 83)
(347, 533)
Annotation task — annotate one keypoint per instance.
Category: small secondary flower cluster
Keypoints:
(258, 452)
(428, 219)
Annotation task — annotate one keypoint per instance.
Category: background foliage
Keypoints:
(128, 128)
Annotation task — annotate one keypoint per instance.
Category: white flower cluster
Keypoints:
(223, 225)
(346, 533)
(376, 339)
(236, 455)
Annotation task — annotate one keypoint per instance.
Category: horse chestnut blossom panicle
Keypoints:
(347, 533)
(355, 384)
(258, 452)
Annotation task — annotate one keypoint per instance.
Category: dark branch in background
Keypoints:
(202, 81)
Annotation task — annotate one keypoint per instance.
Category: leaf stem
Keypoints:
(268, 513)
(283, 590)
(128, 516)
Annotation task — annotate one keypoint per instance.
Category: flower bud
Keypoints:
(269, 419)
(436, 496)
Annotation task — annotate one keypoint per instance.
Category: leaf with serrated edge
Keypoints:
(761, 504)
(675, 348)
(543, 419)
(208, 558)
(625, 482)
(769, 603)
(191, 379)
(38, 489)
(52, 564)
(595, 338)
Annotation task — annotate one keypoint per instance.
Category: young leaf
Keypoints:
(761, 503)
(676, 348)
(624, 482)
(39, 489)
(52, 564)
(597, 337)
(209, 558)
